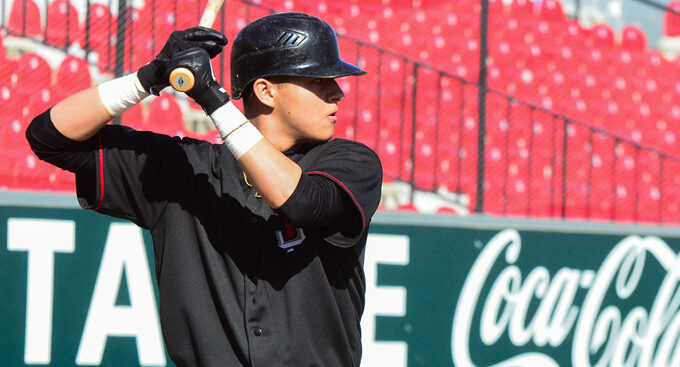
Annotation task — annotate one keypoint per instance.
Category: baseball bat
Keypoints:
(181, 79)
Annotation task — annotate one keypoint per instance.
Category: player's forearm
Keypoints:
(271, 173)
(79, 116)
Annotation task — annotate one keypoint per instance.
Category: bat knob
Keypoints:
(182, 79)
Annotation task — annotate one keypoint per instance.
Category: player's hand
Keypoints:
(207, 92)
(153, 75)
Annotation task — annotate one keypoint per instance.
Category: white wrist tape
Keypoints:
(236, 131)
(117, 95)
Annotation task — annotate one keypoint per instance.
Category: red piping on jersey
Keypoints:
(101, 173)
(363, 218)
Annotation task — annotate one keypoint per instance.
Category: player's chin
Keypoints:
(324, 136)
(330, 133)
(327, 132)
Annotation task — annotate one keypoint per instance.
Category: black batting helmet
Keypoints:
(286, 44)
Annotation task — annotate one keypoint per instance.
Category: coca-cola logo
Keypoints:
(604, 334)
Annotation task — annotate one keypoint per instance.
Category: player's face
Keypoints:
(308, 108)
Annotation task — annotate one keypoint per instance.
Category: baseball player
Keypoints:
(258, 241)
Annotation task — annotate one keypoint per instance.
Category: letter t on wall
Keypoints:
(41, 238)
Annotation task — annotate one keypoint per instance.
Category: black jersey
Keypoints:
(238, 284)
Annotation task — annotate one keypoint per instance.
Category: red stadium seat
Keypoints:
(494, 196)
(671, 21)
(143, 50)
(603, 183)
(63, 28)
(424, 166)
(13, 121)
(648, 181)
(625, 188)
(188, 13)
(518, 199)
(544, 186)
(389, 155)
(99, 35)
(73, 75)
(134, 117)
(141, 46)
(452, 159)
(9, 171)
(602, 36)
(447, 210)
(101, 25)
(501, 52)
(670, 199)
(552, 10)
(522, 8)
(633, 38)
(33, 174)
(575, 199)
(578, 150)
(495, 174)
(160, 19)
(12, 134)
(602, 198)
(409, 207)
(146, 20)
(28, 23)
(366, 124)
(41, 99)
(165, 116)
(33, 73)
(574, 34)
(11, 104)
(655, 65)
(3, 51)
(537, 55)
(663, 139)
(9, 73)
(649, 203)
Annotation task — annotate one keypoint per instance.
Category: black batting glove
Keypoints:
(207, 92)
(154, 75)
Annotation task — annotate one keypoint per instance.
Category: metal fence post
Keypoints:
(481, 105)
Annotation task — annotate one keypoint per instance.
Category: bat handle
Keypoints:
(182, 79)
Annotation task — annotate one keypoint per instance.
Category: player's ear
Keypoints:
(265, 91)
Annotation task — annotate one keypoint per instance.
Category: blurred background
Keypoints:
(573, 114)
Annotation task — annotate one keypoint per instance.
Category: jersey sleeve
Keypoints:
(135, 174)
(356, 171)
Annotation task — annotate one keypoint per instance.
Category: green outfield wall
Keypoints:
(77, 288)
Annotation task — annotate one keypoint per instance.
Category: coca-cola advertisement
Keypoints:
(521, 293)
(78, 289)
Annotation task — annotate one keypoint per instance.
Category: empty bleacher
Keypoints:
(580, 122)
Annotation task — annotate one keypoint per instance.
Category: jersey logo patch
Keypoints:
(290, 239)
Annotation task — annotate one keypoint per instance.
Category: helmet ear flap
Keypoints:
(286, 44)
